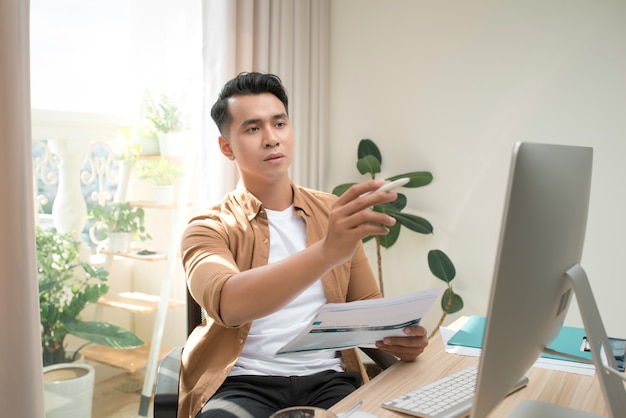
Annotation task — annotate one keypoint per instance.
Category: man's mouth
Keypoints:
(273, 157)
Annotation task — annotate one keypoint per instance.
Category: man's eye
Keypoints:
(280, 124)
(253, 129)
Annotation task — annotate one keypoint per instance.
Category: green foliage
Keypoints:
(119, 217)
(66, 286)
(369, 161)
(130, 150)
(161, 172)
(441, 267)
(165, 114)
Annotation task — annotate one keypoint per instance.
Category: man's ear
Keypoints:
(225, 148)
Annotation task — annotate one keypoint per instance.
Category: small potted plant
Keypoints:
(67, 284)
(126, 156)
(169, 122)
(120, 222)
(162, 173)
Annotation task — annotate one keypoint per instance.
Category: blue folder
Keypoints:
(569, 340)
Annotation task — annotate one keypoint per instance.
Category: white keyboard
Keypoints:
(448, 397)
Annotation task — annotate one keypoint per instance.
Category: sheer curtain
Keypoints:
(288, 38)
(21, 380)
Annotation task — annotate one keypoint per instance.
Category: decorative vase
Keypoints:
(69, 390)
(172, 144)
(119, 242)
(164, 194)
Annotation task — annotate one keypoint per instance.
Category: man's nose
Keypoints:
(270, 140)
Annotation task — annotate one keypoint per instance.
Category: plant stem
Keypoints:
(443, 315)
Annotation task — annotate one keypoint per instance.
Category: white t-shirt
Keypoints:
(268, 334)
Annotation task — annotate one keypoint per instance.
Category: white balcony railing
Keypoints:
(74, 152)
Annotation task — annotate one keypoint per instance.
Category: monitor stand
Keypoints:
(610, 378)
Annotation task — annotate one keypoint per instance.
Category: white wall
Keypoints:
(449, 86)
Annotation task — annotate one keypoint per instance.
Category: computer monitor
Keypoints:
(537, 273)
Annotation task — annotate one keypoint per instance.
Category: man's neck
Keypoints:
(274, 196)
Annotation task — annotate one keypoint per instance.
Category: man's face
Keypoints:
(259, 138)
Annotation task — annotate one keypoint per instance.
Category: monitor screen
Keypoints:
(542, 236)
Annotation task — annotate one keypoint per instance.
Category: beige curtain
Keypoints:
(289, 38)
(21, 377)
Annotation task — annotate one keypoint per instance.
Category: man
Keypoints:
(263, 261)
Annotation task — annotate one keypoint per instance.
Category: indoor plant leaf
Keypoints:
(441, 266)
(368, 164)
(416, 178)
(104, 333)
(455, 305)
(413, 222)
(388, 240)
(368, 147)
(341, 189)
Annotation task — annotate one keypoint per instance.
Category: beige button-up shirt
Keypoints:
(234, 236)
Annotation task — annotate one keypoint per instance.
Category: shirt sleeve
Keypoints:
(363, 284)
(208, 263)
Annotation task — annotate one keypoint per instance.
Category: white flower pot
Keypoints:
(172, 144)
(164, 194)
(69, 390)
(119, 242)
(149, 146)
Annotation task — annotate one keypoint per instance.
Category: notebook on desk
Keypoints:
(570, 340)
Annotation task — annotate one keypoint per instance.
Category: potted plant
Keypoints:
(67, 284)
(170, 123)
(369, 161)
(126, 156)
(145, 135)
(120, 222)
(162, 173)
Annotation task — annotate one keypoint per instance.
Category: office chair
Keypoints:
(165, 402)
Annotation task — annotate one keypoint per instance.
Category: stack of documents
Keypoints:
(361, 323)
(465, 337)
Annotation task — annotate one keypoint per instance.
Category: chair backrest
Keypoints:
(195, 315)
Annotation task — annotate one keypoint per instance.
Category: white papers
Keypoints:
(345, 325)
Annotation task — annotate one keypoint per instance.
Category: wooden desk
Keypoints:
(566, 389)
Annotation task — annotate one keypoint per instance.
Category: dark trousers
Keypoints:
(261, 396)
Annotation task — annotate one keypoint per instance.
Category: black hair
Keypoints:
(249, 83)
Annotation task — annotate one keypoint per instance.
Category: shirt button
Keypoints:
(265, 240)
(241, 341)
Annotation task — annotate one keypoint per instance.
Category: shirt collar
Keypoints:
(253, 206)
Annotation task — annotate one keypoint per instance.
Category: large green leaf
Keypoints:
(368, 164)
(388, 240)
(413, 222)
(341, 189)
(368, 147)
(416, 178)
(441, 266)
(104, 333)
(456, 304)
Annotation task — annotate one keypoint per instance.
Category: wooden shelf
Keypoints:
(137, 302)
(136, 256)
(130, 360)
(145, 204)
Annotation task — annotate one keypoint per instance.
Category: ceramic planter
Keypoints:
(164, 194)
(119, 242)
(69, 390)
(172, 144)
